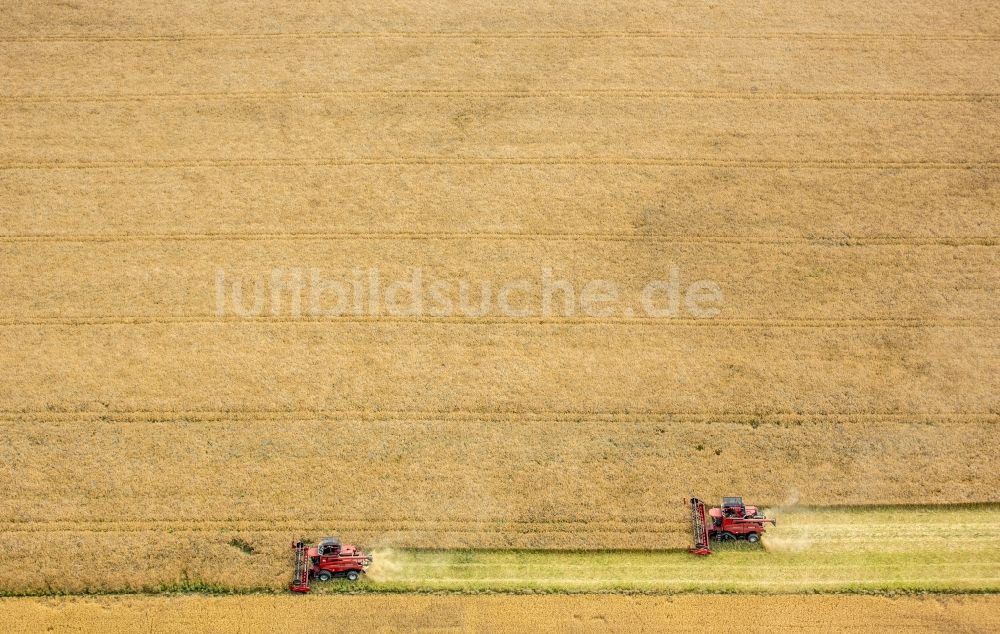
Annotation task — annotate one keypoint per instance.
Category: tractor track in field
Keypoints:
(279, 527)
(640, 93)
(209, 590)
(154, 416)
(104, 320)
(264, 525)
(446, 415)
(966, 36)
(763, 164)
(819, 241)
(676, 322)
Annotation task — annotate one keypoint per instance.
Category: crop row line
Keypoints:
(99, 320)
(844, 531)
(679, 565)
(505, 412)
(827, 524)
(983, 240)
(495, 528)
(515, 587)
(416, 420)
(455, 160)
(501, 530)
(516, 93)
(595, 34)
(166, 420)
(319, 415)
(353, 521)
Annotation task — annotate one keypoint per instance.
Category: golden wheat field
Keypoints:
(286, 269)
(502, 613)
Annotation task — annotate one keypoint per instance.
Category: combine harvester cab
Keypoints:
(727, 523)
(325, 561)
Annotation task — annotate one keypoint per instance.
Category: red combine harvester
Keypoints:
(733, 520)
(327, 560)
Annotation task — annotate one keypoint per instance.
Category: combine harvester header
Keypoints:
(699, 529)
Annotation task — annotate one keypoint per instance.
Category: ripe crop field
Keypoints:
(501, 613)
(910, 549)
(282, 269)
(498, 613)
